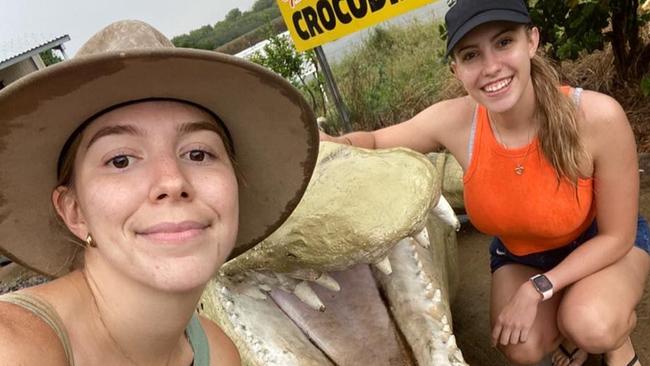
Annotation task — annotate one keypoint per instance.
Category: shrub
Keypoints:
(396, 73)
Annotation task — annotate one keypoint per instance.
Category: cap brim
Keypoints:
(494, 15)
(273, 130)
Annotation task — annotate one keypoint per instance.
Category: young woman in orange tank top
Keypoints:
(570, 256)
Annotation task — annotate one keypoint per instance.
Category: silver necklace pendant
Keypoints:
(519, 170)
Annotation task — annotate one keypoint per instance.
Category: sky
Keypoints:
(80, 19)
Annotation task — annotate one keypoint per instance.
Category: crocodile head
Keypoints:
(306, 295)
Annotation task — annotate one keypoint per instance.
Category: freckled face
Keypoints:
(493, 63)
(158, 193)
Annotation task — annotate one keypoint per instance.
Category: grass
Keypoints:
(395, 74)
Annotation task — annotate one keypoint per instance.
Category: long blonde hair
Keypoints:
(558, 134)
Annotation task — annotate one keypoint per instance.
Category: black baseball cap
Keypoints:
(465, 15)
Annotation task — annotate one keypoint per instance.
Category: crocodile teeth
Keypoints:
(437, 296)
(304, 274)
(254, 293)
(451, 342)
(422, 238)
(458, 355)
(441, 358)
(285, 282)
(384, 266)
(444, 212)
(328, 282)
(308, 296)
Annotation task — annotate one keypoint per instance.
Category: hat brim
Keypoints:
(272, 127)
(493, 15)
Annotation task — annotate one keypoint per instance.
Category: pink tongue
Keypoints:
(355, 329)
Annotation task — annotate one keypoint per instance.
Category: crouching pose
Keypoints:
(551, 172)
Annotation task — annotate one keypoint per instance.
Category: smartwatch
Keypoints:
(543, 286)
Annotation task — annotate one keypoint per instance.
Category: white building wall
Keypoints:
(20, 69)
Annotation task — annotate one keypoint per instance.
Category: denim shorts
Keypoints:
(500, 256)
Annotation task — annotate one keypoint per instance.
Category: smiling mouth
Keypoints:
(497, 86)
(173, 232)
(178, 236)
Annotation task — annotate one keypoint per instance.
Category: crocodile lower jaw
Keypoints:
(375, 319)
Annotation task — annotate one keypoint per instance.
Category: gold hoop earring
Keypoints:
(90, 243)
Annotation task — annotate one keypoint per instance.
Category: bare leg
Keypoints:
(544, 335)
(597, 312)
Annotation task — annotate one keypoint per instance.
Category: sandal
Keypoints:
(569, 355)
(566, 352)
(631, 363)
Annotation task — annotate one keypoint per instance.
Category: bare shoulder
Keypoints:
(222, 349)
(454, 113)
(601, 112)
(25, 338)
(604, 124)
(450, 120)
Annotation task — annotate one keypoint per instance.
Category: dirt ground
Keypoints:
(470, 308)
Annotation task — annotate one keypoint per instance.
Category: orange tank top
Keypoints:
(531, 212)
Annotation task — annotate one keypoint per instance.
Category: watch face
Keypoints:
(542, 283)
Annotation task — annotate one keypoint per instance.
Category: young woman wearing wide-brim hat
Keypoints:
(131, 173)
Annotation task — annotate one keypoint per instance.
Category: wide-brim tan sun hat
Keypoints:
(273, 131)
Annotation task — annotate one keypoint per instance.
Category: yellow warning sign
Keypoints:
(312, 23)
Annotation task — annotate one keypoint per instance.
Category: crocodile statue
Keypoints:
(362, 273)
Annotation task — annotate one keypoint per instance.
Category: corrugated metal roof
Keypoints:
(17, 49)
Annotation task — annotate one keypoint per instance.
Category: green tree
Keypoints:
(235, 24)
(281, 56)
(260, 5)
(631, 56)
(569, 27)
(233, 15)
(50, 58)
(197, 38)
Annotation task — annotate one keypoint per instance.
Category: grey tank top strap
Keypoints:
(577, 93)
(46, 312)
(472, 135)
(199, 342)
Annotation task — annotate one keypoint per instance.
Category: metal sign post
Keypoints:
(333, 89)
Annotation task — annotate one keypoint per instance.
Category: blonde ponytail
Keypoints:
(558, 134)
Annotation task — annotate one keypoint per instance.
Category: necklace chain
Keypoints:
(519, 168)
(88, 278)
